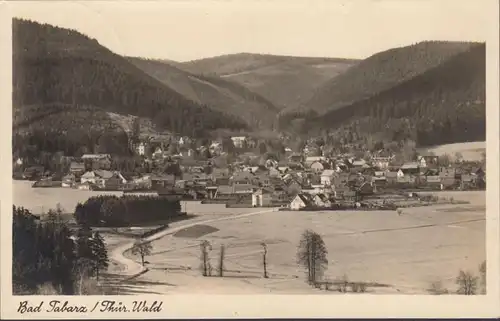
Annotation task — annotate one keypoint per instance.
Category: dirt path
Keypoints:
(132, 268)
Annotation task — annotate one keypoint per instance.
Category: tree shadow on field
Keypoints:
(114, 284)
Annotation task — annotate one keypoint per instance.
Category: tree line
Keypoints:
(48, 252)
(127, 210)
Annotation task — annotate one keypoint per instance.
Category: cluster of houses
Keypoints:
(297, 182)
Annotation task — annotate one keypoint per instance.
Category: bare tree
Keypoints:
(206, 268)
(222, 254)
(467, 283)
(312, 254)
(142, 249)
(264, 259)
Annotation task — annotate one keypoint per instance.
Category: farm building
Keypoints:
(300, 201)
(322, 200)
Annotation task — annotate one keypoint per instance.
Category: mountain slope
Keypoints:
(444, 104)
(380, 72)
(217, 93)
(61, 67)
(286, 81)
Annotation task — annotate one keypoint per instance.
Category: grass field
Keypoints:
(402, 254)
(470, 151)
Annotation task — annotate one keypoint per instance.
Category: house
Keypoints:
(239, 141)
(141, 149)
(77, 168)
(225, 191)
(447, 172)
(274, 172)
(358, 163)
(96, 177)
(392, 177)
(283, 169)
(321, 200)
(327, 177)
(68, 180)
(98, 161)
(317, 167)
(115, 182)
(410, 168)
(271, 163)
(219, 173)
(433, 180)
(425, 161)
(380, 161)
(215, 148)
(158, 153)
(161, 181)
(242, 178)
(95, 156)
(211, 191)
(300, 201)
(262, 198)
(314, 159)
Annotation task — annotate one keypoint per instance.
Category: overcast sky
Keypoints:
(186, 30)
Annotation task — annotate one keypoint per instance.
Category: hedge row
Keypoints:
(127, 210)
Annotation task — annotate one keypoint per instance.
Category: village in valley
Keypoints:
(239, 176)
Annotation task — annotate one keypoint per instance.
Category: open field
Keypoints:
(470, 151)
(40, 200)
(403, 254)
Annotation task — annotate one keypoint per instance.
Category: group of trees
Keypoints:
(311, 254)
(49, 253)
(110, 210)
(467, 282)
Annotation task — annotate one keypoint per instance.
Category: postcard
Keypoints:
(196, 159)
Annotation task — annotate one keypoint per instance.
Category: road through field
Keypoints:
(131, 267)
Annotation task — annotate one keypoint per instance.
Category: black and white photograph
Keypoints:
(323, 148)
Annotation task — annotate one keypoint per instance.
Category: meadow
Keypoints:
(395, 253)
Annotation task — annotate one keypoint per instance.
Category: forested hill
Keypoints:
(60, 67)
(379, 72)
(444, 104)
(219, 94)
